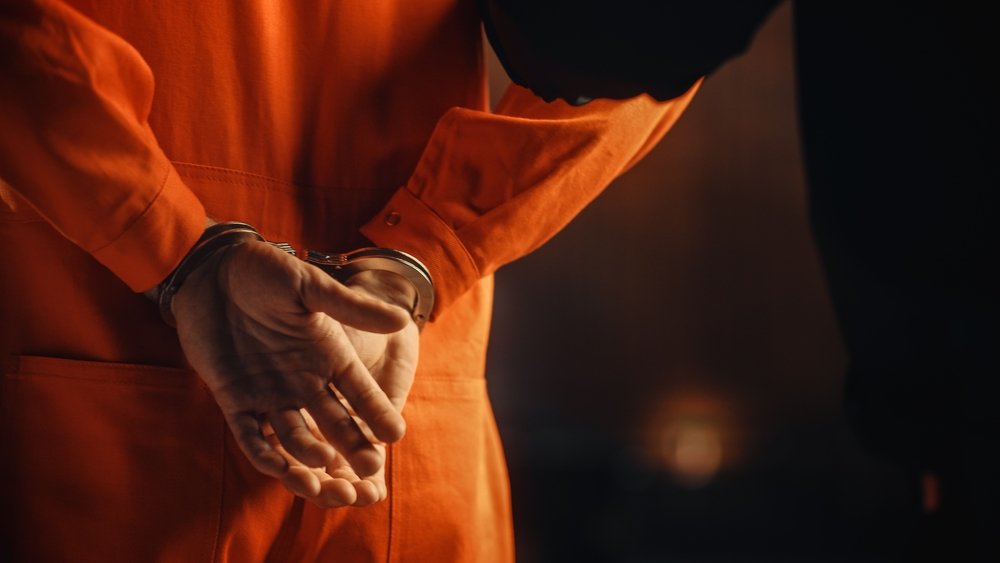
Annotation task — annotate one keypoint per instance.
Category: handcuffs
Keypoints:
(341, 267)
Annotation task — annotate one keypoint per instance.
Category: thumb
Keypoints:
(401, 354)
(321, 293)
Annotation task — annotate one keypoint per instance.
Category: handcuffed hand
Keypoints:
(275, 340)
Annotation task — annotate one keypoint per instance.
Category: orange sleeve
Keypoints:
(492, 187)
(76, 145)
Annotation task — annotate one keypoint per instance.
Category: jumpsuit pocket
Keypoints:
(108, 462)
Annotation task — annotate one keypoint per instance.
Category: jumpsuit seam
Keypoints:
(392, 501)
(138, 217)
(243, 177)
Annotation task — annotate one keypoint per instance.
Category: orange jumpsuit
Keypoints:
(321, 123)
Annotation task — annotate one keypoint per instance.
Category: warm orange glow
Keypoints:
(692, 434)
(931, 492)
(692, 449)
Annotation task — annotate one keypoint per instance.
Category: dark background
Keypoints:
(667, 372)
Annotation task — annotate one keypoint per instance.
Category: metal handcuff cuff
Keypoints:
(341, 267)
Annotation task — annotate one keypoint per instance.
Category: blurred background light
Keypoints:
(692, 435)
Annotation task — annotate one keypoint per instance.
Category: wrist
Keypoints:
(216, 239)
(392, 270)
(153, 293)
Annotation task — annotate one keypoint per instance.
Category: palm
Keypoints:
(391, 359)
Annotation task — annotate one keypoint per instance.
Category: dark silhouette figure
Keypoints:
(898, 111)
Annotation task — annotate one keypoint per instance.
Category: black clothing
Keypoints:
(898, 110)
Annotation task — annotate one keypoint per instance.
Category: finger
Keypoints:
(368, 400)
(246, 430)
(364, 492)
(302, 481)
(321, 293)
(383, 491)
(336, 492)
(343, 433)
(299, 479)
(298, 441)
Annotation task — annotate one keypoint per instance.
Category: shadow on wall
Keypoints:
(667, 372)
